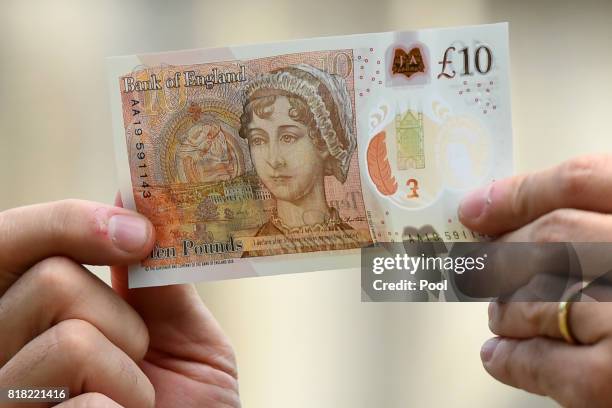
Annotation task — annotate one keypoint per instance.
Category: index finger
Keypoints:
(88, 232)
(505, 205)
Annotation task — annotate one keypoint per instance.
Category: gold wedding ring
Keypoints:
(563, 318)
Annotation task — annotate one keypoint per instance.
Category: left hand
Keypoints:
(62, 326)
(190, 361)
(568, 203)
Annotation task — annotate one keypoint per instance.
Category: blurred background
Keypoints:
(302, 340)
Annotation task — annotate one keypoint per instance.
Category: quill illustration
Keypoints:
(378, 165)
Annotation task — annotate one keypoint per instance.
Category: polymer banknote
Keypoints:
(291, 157)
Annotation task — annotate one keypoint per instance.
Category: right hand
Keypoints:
(535, 217)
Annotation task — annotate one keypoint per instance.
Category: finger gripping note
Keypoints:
(378, 166)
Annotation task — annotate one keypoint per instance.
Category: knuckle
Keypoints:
(576, 173)
(53, 273)
(75, 340)
(520, 200)
(554, 226)
(532, 315)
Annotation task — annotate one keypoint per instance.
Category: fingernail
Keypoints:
(473, 205)
(486, 352)
(128, 232)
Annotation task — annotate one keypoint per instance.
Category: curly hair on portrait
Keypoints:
(263, 107)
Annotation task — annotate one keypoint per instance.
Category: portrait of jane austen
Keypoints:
(298, 122)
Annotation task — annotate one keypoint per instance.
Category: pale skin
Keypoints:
(289, 165)
(162, 347)
(568, 203)
(62, 326)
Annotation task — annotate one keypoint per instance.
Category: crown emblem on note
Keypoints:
(408, 63)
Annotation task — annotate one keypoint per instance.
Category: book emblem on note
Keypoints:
(408, 63)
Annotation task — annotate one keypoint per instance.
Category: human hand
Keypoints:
(62, 326)
(569, 203)
(530, 352)
(190, 361)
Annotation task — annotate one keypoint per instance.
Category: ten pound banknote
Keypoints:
(290, 157)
